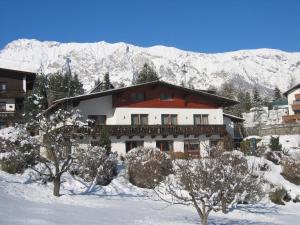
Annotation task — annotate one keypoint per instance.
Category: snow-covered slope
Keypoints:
(263, 68)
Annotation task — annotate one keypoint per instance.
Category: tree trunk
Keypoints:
(224, 205)
(204, 220)
(56, 182)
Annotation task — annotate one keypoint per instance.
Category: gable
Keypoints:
(158, 96)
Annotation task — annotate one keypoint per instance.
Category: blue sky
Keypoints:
(196, 25)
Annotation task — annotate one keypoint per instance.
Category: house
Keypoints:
(155, 114)
(13, 88)
(234, 128)
(293, 96)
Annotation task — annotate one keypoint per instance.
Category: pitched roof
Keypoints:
(233, 117)
(216, 98)
(291, 89)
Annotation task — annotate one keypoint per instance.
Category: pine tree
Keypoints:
(106, 82)
(277, 94)
(147, 74)
(257, 101)
(248, 103)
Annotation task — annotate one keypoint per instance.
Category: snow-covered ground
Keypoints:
(26, 202)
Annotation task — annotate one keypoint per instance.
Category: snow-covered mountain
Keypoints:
(264, 68)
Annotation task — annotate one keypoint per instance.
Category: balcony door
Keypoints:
(165, 145)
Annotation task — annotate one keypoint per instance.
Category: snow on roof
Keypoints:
(233, 117)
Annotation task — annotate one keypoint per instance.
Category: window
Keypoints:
(297, 112)
(165, 145)
(200, 119)
(133, 144)
(165, 97)
(2, 87)
(97, 119)
(2, 106)
(191, 145)
(137, 97)
(139, 119)
(169, 119)
(2, 125)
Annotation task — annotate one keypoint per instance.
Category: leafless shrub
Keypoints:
(211, 184)
(291, 170)
(146, 167)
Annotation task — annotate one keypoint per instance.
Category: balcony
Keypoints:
(296, 105)
(156, 130)
(291, 119)
(12, 94)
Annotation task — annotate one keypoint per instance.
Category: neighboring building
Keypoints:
(280, 104)
(234, 128)
(13, 88)
(293, 96)
(155, 114)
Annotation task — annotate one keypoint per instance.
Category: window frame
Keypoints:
(139, 119)
(1, 87)
(201, 119)
(166, 96)
(170, 119)
(188, 143)
(135, 96)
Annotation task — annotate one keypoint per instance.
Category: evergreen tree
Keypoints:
(248, 103)
(228, 90)
(147, 74)
(105, 141)
(106, 82)
(257, 101)
(37, 99)
(64, 85)
(277, 94)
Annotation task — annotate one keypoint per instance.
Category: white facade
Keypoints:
(122, 116)
(291, 99)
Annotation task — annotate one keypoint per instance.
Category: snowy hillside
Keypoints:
(263, 68)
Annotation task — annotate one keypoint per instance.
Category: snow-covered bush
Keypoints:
(274, 157)
(291, 170)
(146, 167)
(212, 184)
(95, 164)
(279, 196)
(274, 144)
(16, 154)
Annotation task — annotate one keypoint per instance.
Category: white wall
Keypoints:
(185, 116)
(291, 99)
(98, 106)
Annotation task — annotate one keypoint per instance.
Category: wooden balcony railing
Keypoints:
(296, 106)
(291, 118)
(155, 130)
(12, 94)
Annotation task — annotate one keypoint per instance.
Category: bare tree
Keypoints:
(211, 184)
(55, 144)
